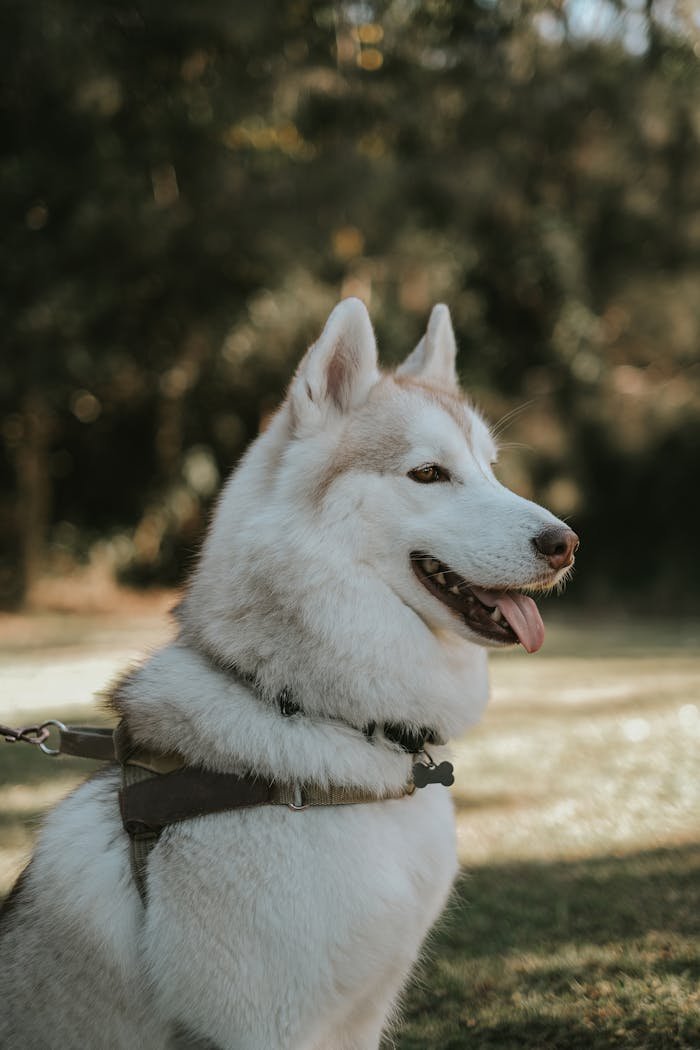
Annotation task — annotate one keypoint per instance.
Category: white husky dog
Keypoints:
(362, 559)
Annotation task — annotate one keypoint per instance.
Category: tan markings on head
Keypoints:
(378, 441)
(375, 441)
(445, 398)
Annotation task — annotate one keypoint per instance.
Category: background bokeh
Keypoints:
(189, 188)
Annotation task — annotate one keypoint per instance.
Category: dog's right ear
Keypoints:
(434, 357)
(338, 371)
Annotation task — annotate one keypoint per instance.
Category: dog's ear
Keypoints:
(339, 370)
(434, 357)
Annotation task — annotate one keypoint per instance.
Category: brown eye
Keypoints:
(429, 473)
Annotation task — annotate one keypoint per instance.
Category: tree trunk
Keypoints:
(33, 489)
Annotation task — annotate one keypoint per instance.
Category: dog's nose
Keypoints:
(558, 544)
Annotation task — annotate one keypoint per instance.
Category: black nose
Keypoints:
(558, 544)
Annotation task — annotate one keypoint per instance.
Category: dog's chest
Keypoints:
(332, 895)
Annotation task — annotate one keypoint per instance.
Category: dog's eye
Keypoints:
(429, 473)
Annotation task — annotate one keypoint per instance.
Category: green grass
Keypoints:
(576, 923)
(591, 953)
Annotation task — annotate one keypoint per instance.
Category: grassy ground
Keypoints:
(577, 921)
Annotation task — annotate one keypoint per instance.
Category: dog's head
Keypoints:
(367, 520)
(411, 469)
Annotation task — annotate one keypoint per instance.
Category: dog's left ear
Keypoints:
(434, 357)
(338, 371)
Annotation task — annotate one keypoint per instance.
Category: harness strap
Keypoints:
(88, 742)
(141, 840)
(159, 789)
(150, 802)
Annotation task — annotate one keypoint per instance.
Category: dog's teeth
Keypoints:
(440, 578)
(454, 590)
(496, 615)
(431, 565)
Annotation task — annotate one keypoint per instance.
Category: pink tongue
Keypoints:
(521, 613)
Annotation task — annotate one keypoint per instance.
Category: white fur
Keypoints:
(434, 357)
(270, 929)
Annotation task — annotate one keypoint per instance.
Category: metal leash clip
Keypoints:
(37, 735)
(46, 726)
(25, 735)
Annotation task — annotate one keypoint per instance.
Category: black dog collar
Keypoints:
(410, 739)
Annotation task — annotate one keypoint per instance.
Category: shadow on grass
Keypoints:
(532, 905)
(468, 802)
(594, 953)
(24, 764)
(543, 1033)
(31, 819)
(30, 783)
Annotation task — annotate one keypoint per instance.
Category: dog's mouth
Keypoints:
(503, 617)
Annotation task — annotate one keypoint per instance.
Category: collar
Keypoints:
(411, 739)
(407, 737)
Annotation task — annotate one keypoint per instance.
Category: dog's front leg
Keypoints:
(361, 1037)
(370, 1018)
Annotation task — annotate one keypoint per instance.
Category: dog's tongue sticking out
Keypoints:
(521, 613)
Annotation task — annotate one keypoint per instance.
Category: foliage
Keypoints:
(190, 188)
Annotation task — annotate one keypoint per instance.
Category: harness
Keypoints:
(159, 788)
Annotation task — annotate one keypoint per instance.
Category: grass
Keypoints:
(576, 923)
(593, 953)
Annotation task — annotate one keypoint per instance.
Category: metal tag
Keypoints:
(429, 773)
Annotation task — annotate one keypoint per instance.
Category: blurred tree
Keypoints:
(190, 188)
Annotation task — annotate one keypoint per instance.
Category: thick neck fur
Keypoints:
(306, 579)
(305, 584)
(286, 591)
(178, 701)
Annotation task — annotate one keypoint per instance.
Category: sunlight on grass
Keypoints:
(19, 800)
(582, 755)
(30, 783)
(51, 661)
(21, 806)
(577, 924)
(565, 955)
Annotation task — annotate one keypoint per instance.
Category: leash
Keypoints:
(79, 741)
(159, 788)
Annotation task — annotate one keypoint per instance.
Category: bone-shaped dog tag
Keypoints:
(424, 774)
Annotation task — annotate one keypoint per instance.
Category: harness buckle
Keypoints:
(298, 802)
